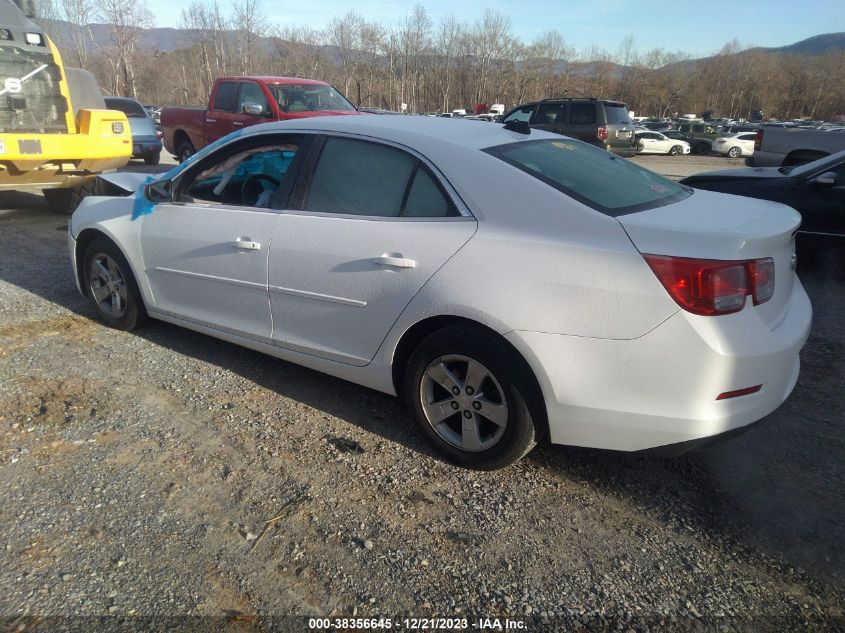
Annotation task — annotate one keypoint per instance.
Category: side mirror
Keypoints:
(252, 109)
(827, 179)
(159, 191)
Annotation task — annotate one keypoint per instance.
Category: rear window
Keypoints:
(602, 181)
(617, 114)
(128, 107)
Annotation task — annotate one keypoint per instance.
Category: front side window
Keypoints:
(226, 97)
(250, 177)
(252, 93)
(548, 114)
(359, 178)
(602, 181)
(520, 114)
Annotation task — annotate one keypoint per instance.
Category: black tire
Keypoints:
(735, 152)
(676, 150)
(134, 315)
(65, 201)
(153, 159)
(184, 151)
(505, 369)
(701, 148)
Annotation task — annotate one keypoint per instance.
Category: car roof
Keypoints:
(431, 136)
(269, 79)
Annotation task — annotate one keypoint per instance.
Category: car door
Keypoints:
(648, 142)
(220, 117)
(206, 252)
(252, 94)
(369, 224)
(549, 116)
(583, 121)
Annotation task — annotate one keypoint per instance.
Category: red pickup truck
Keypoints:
(237, 102)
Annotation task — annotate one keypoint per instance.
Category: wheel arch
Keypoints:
(415, 334)
(802, 156)
(83, 240)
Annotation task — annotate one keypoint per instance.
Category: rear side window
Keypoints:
(359, 178)
(127, 106)
(426, 200)
(602, 181)
(227, 96)
(582, 113)
(617, 114)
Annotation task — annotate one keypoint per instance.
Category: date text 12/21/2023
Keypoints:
(416, 624)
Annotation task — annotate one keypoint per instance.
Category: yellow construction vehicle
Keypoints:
(55, 131)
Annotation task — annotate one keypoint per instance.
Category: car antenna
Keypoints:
(520, 127)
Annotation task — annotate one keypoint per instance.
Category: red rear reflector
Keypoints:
(602, 133)
(758, 139)
(738, 392)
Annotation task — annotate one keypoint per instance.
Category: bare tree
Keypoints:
(126, 19)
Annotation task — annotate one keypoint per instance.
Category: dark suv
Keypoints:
(606, 124)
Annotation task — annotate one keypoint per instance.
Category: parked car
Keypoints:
(697, 145)
(649, 142)
(146, 141)
(789, 147)
(236, 103)
(700, 131)
(816, 190)
(605, 124)
(355, 246)
(735, 145)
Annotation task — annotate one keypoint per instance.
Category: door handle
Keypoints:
(211, 120)
(244, 243)
(237, 124)
(395, 262)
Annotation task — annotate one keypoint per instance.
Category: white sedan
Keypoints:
(735, 145)
(649, 142)
(511, 285)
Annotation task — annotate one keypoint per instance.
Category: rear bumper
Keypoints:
(661, 388)
(145, 148)
(624, 152)
(764, 159)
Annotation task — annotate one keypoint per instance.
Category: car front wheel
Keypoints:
(469, 397)
(110, 286)
(676, 150)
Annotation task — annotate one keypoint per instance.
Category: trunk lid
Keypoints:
(711, 225)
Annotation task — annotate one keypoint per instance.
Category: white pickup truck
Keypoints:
(776, 146)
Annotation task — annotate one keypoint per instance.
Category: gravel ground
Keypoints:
(167, 474)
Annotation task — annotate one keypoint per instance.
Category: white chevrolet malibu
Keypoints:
(511, 285)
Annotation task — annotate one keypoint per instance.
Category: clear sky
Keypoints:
(697, 27)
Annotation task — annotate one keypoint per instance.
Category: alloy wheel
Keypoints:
(464, 403)
(108, 286)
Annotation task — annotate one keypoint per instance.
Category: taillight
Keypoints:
(762, 274)
(758, 139)
(602, 134)
(711, 287)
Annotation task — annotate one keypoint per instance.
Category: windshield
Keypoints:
(595, 177)
(828, 162)
(308, 97)
(31, 99)
(617, 114)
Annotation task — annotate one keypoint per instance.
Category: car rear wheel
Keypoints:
(735, 152)
(66, 199)
(111, 287)
(468, 395)
(676, 150)
(184, 151)
(152, 159)
(701, 148)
